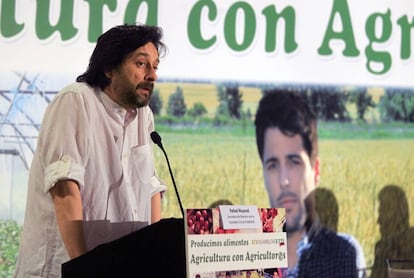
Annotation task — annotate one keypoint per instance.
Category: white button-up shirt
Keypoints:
(88, 138)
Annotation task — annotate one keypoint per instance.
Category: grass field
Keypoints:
(209, 167)
(357, 161)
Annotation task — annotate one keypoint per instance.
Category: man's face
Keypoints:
(289, 176)
(133, 81)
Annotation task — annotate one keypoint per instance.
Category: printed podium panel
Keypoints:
(235, 241)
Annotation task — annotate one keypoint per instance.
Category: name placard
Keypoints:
(240, 217)
(234, 239)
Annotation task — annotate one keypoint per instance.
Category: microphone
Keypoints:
(156, 138)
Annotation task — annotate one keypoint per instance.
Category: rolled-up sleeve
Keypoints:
(64, 143)
(158, 186)
(63, 169)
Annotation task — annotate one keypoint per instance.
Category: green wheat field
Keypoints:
(211, 164)
(214, 165)
(210, 167)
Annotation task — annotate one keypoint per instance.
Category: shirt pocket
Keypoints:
(143, 163)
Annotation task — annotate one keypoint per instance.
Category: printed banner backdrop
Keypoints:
(317, 45)
(328, 41)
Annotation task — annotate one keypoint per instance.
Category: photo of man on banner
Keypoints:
(286, 138)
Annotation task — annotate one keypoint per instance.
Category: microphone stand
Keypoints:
(157, 141)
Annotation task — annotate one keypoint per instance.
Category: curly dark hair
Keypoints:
(114, 45)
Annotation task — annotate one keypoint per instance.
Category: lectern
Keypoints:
(157, 250)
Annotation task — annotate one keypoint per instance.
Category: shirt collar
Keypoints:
(304, 243)
(116, 111)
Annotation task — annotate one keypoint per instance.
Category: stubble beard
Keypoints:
(294, 222)
(297, 222)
